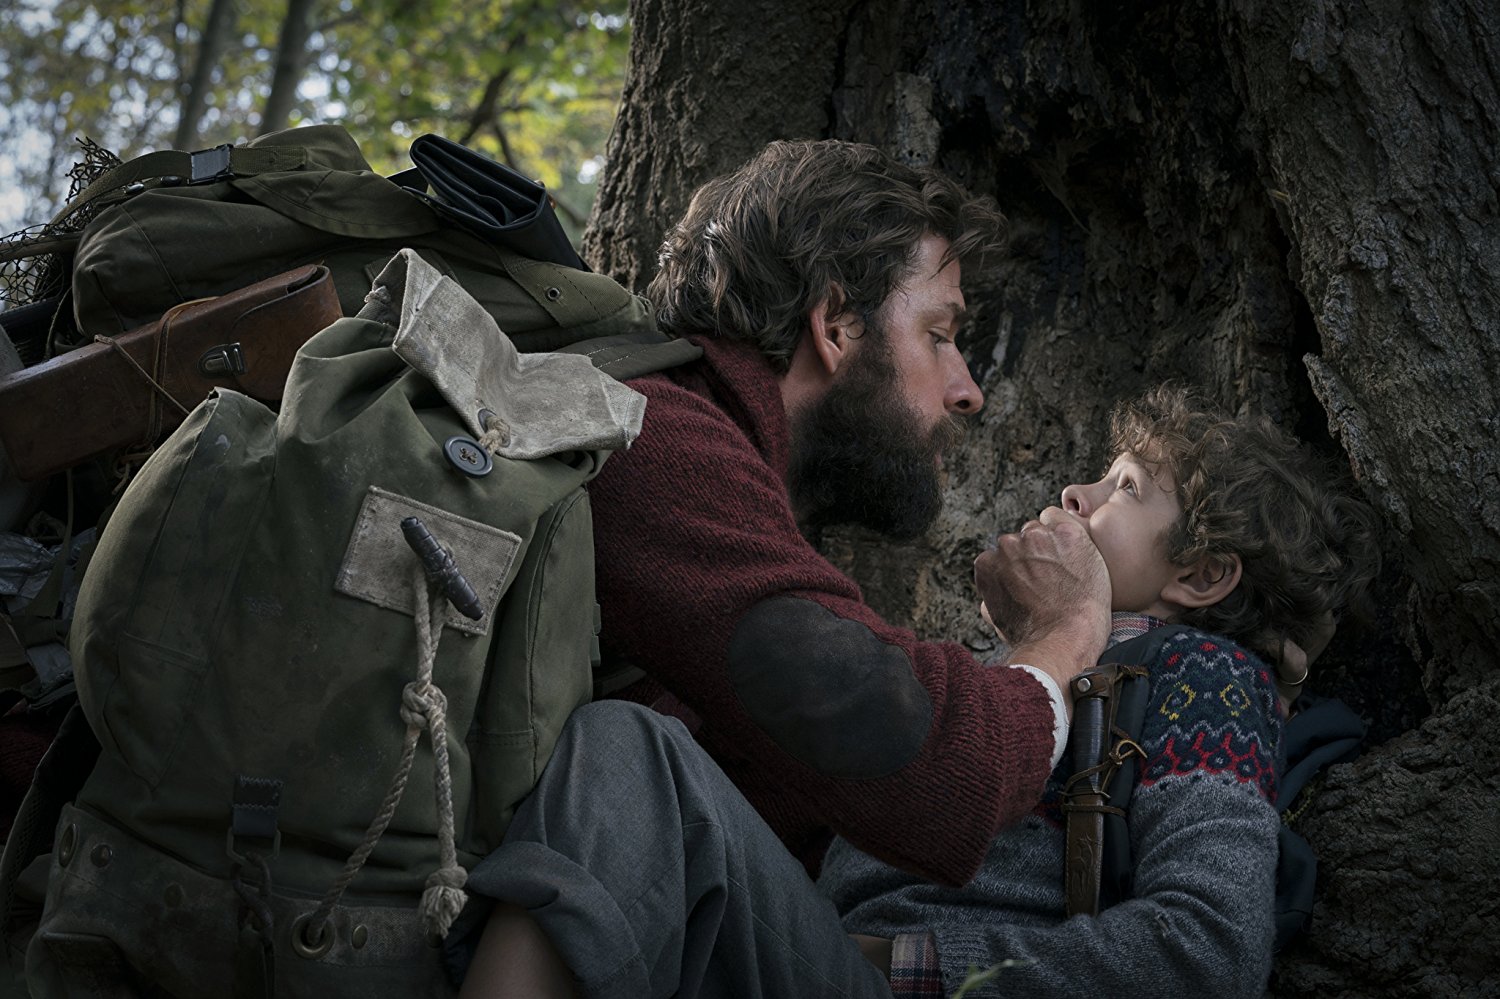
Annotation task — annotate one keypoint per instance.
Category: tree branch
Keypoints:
(347, 17)
(505, 151)
(573, 215)
(485, 110)
(291, 65)
(195, 97)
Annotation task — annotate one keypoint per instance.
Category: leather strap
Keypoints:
(1108, 711)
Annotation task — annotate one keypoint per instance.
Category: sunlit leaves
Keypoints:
(533, 81)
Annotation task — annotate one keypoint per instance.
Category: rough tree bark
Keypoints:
(1292, 205)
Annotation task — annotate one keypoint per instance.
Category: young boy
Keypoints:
(1223, 525)
(639, 862)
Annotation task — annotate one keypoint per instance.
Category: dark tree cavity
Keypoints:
(1291, 205)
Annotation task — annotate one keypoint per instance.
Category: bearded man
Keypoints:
(822, 281)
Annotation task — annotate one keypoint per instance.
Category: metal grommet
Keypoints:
(359, 937)
(466, 455)
(312, 949)
(67, 844)
(173, 895)
(1083, 684)
(101, 855)
(553, 294)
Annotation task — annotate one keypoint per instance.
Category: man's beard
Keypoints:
(861, 456)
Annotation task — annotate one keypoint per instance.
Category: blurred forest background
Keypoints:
(533, 83)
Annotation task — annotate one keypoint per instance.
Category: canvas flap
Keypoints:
(542, 403)
(335, 191)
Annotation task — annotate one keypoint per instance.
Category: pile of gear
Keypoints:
(294, 465)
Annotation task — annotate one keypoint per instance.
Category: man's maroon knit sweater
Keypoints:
(827, 718)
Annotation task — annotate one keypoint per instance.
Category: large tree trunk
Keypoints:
(1291, 205)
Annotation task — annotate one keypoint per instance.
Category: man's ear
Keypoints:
(1205, 582)
(829, 325)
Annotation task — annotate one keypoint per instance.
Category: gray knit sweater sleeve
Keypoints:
(1203, 834)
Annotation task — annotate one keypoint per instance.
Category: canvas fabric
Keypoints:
(249, 614)
(320, 203)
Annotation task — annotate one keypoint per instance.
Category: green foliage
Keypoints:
(532, 82)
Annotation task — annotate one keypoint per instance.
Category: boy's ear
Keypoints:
(1205, 582)
(829, 325)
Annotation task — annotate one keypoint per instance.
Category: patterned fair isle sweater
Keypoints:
(1203, 834)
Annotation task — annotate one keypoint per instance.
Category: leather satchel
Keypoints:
(133, 388)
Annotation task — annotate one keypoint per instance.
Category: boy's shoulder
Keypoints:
(1213, 709)
(1196, 651)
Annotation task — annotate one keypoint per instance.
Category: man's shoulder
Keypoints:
(727, 400)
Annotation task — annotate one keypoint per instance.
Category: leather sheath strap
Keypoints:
(1097, 747)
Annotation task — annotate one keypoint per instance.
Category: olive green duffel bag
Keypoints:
(326, 652)
(171, 227)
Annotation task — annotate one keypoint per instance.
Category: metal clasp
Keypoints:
(225, 359)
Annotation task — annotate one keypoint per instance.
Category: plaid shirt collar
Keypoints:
(1124, 626)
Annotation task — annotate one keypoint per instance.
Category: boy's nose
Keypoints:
(1075, 500)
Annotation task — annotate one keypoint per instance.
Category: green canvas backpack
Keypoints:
(173, 226)
(326, 652)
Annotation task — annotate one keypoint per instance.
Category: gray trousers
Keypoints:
(653, 876)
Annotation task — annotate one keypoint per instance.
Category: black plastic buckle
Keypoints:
(208, 165)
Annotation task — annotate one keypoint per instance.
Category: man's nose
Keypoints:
(963, 395)
(1075, 499)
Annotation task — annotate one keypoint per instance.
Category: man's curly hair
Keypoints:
(762, 246)
(1247, 488)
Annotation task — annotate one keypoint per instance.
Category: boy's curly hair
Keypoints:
(1248, 488)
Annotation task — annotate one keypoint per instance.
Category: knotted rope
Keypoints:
(423, 706)
(443, 898)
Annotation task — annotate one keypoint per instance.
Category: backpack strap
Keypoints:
(631, 355)
(625, 356)
(1321, 732)
(203, 166)
(1109, 708)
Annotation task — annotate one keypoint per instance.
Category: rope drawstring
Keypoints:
(423, 706)
(443, 898)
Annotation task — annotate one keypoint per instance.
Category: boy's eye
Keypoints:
(1128, 485)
